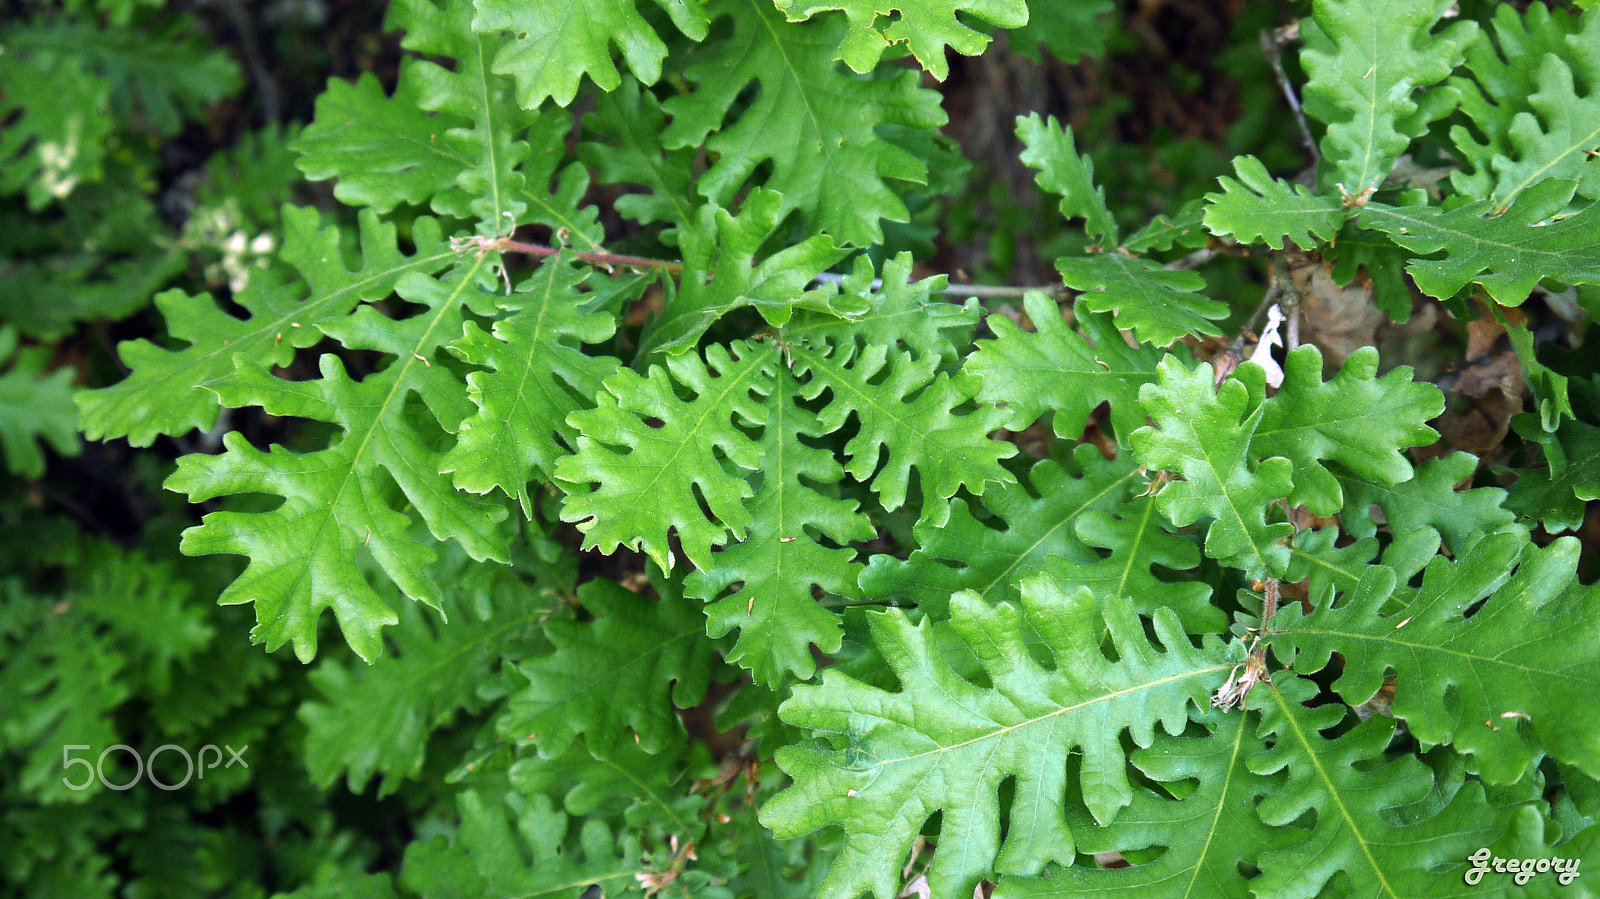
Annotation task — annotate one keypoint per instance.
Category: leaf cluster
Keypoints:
(771, 568)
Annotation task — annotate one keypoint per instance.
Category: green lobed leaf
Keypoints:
(769, 867)
(1070, 31)
(161, 395)
(382, 150)
(1049, 148)
(1055, 370)
(1428, 500)
(1499, 685)
(1204, 434)
(160, 73)
(1506, 255)
(1183, 228)
(905, 409)
(513, 846)
(1355, 794)
(1365, 61)
(1360, 421)
(815, 126)
(1547, 390)
(1327, 567)
(623, 146)
(926, 27)
(644, 455)
(537, 374)
(1158, 305)
(34, 407)
(1555, 499)
(1261, 209)
(109, 252)
(57, 128)
(623, 670)
(944, 744)
(651, 792)
(654, 437)
(1137, 541)
(553, 48)
(1030, 522)
(337, 502)
(1355, 250)
(60, 682)
(783, 557)
(721, 273)
(1521, 94)
(490, 183)
(432, 673)
(893, 311)
(1207, 835)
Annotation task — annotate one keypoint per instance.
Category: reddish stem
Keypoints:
(609, 259)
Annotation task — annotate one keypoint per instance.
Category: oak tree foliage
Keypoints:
(1054, 594)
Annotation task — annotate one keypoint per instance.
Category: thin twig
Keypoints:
(505, 244)
(1271, 42)
(980, 291)
(617, 260)
(1193, 260)
(265, 87)
(1290, 301)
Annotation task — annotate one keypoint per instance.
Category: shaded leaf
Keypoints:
(624, 147)
(512, 846)
(160, 73)
(1184, 228)
(1055, 370)
(1030, 524)
(649, 791)
(432, 673)
(1554, 499)
(34, 407)
(1069, 31)
(56, 130)
(1428, 499)
(814, 125)
(623, 670)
